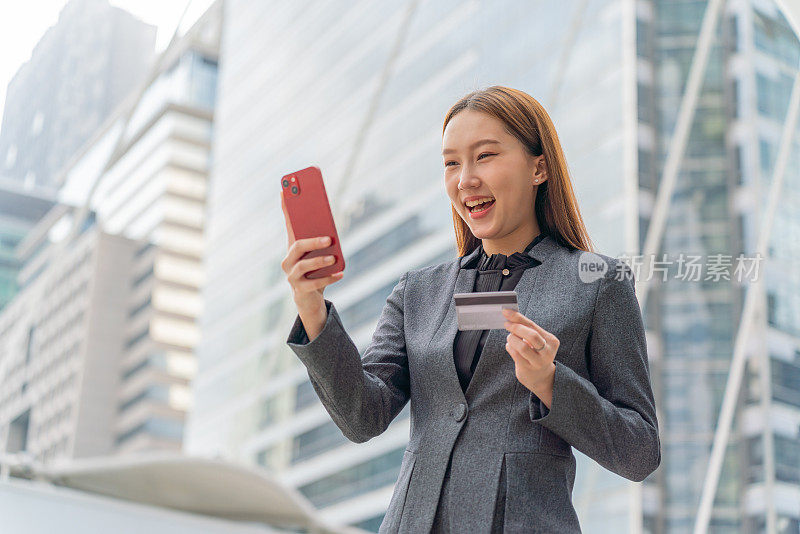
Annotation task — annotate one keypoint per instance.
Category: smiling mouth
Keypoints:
(481, 207)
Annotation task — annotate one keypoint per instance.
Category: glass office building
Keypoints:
(20, 209)
(297, 82)
(80, 70)
(716, 208)
(361, 90)
(145, 174)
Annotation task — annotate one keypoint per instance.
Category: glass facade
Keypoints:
(8, 263)
(729, 155)
(296, 83)
(393, 214)
(378, 472)
(189, 81)
(776, 51)
(19, 212)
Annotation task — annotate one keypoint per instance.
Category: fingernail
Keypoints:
(325, 240)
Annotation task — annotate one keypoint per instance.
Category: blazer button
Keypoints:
(460, 411)
(506, 272)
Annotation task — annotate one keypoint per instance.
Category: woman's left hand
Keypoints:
(534, 351)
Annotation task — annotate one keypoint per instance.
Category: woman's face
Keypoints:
(503, 170)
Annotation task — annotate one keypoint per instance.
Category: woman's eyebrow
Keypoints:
(473, 145)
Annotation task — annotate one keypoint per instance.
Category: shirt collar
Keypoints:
(478, 257)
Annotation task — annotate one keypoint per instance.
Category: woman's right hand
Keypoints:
(307, 293)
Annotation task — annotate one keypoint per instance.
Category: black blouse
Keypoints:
(497, 272)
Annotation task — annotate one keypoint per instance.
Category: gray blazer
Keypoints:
(511, 455)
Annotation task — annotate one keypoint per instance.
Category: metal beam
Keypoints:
(765, 376)
(760, 357)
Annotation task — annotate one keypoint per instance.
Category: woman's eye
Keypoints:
(447, 164)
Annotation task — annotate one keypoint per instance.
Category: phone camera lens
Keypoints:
(285, 182)
(294, 189)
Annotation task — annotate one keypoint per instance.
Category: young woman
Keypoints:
(494, 417)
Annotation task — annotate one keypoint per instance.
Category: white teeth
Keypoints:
(473, 203)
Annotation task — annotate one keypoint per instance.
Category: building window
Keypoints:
(785, 382)
(316, 441)
(133, 312)
(138, 337)
(157, 427)
(142, 277)
(787, 459)
(356, 480)
(156, 392)
(367, 309)
(373, 524)
(305, 395)
(776, 38)
(773, 96)
(268, 412)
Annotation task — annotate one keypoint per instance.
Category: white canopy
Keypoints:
(198, 485)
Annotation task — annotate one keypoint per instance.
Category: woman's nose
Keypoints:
(467, 180)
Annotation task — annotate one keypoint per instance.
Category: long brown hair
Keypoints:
(555, 207)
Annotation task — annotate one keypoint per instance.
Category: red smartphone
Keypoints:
(310, 216)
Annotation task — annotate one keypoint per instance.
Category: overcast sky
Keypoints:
(22, 24)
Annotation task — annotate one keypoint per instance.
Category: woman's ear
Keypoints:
(540, 173)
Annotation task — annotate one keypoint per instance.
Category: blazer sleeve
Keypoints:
(612, 417)
(362, 396)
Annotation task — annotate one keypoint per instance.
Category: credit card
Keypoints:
(483, 310)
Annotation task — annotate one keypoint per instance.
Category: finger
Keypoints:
(519, 358)
(310, 284)
(302, 246)
(531, 336)
(522, 348)
(303, 267)
(517, 317)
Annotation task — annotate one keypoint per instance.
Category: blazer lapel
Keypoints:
(464, 282)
